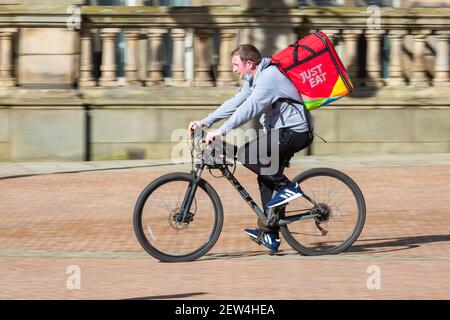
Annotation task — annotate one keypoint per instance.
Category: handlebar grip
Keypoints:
(193, 129)
(200, 132)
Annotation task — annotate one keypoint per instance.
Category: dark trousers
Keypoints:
(267, 156)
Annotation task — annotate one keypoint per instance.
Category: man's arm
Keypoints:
(228, 107)
(261, 99)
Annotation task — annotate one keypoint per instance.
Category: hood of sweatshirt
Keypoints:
(265, 62)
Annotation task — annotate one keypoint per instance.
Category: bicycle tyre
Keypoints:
(146, 194)
(328, 172)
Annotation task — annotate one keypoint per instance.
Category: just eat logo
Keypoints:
(314, 75)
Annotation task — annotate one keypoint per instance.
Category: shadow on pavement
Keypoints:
(170, 296)
(406, 243)
(90, 170)
(245, 254)
(371, 246)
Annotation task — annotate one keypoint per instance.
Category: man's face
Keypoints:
(240, 67)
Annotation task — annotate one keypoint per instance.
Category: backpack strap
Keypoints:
(306, 111)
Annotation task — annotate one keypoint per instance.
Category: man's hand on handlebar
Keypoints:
(193, 124)
(212, 134)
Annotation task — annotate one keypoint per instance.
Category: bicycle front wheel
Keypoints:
(155, 219)
(342, 209)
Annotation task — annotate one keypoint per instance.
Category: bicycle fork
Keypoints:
(190, 193)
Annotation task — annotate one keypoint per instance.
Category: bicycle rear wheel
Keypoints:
(342, 210)
(157, 229)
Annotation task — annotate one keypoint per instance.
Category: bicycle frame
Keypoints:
(269, 218)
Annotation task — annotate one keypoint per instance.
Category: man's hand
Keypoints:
(193, 124)
(212, 134)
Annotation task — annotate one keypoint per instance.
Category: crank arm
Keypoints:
(297, 217)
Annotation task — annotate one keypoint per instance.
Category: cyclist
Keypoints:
(272, 96)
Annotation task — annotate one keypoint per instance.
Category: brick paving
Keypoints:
(53, 221)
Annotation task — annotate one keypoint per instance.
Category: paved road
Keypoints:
(56, 226)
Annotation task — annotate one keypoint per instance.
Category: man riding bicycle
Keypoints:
(287, 129)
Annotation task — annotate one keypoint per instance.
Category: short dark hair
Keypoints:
(247, 52)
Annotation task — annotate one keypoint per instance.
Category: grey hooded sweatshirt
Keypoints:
(261, 97)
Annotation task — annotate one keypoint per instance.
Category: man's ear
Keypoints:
(250, 64)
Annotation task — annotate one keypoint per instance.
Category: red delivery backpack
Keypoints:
(314, 67)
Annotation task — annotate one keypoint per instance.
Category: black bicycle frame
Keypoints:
(244, 194)
(192, 188)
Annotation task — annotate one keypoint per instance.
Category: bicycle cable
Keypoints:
(192, 144)
(221, 176)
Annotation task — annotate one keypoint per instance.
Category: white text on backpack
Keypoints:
(314, 75)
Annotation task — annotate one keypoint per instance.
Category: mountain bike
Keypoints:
(179, 216)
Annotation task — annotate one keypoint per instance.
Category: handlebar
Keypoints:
(211, 154)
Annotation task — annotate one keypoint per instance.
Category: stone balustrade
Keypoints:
(346, 27)
(216, 31)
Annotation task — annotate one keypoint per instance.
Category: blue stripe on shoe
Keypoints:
(254, 233)
(279, 203)
(271, 242)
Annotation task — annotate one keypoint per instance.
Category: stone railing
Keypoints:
(418, 40)
(347, 27)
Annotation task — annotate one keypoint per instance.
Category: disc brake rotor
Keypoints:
(173, 219)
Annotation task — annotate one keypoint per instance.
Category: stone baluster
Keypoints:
(419, 76)
(351, 62)
(178, 76)
(86, 78)
(108, 67)
(373, 68)
(225, 70)
(441, 77)
(6, 54)
(131, 60)
(337, 40)
(155, 65)
(202, 68)
(396, 77)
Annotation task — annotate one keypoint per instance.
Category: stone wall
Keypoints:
(386, 123)
(147, 121)
(41, 125)
(48, 57)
